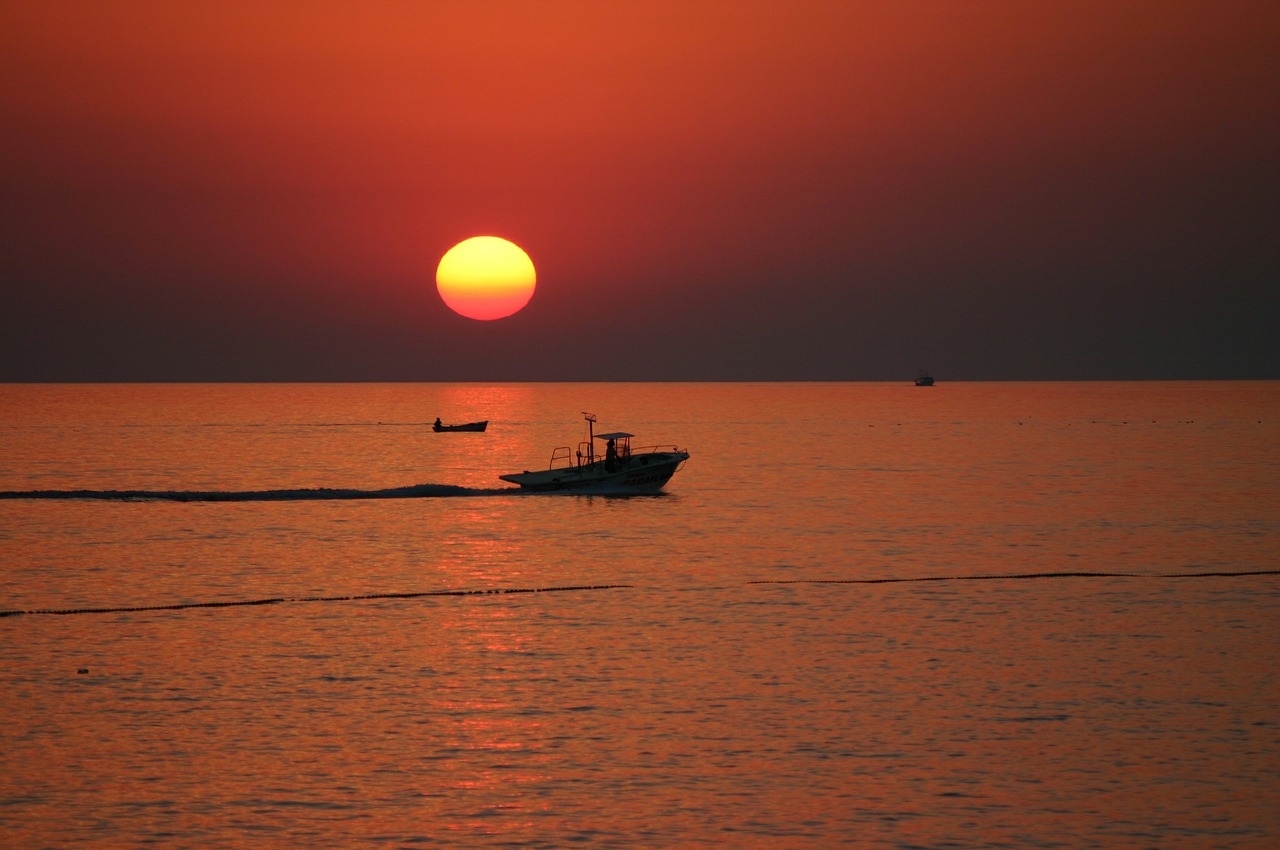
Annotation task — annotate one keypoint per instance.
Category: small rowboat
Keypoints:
(469, 426)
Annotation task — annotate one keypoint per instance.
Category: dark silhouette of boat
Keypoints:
(467, 426)
(620, 469)
(924, 379)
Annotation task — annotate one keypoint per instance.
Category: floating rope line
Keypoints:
(1021, 576)
(277, 600)
(282, 599)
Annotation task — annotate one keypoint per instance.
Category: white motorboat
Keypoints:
(619, 469)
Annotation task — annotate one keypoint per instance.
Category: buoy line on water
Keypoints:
(277, 600)
(1015, 576)
(178, 606)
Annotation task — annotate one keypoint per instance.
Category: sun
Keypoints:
(486, 278)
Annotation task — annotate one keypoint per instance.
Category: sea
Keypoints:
(974, 615)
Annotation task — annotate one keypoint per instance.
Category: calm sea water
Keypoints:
(713, 666)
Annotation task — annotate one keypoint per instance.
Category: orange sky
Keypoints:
(789, 190)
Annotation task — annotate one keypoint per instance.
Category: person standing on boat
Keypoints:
(610, 456)
(437, 424)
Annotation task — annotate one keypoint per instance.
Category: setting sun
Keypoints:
(485, 277)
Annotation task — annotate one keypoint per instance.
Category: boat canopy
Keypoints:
(617, 435)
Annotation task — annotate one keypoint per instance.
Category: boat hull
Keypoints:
(470, 426)
(643, 473)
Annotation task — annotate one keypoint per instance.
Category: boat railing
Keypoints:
(561, 457)
(648, 450)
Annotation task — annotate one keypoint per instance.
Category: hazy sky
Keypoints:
(709, 190)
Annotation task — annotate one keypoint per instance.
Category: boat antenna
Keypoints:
(591, 430)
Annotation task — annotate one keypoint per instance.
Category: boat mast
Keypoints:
(591, 436)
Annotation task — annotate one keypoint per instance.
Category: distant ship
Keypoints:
(924, 379)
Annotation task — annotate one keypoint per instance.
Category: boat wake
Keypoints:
(414, 491)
